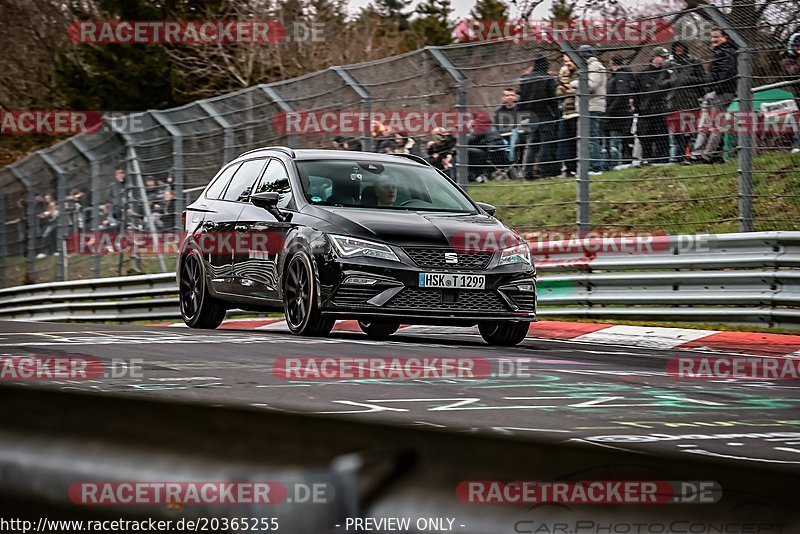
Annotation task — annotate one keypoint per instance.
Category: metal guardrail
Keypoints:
(746, 278)
(51, 440)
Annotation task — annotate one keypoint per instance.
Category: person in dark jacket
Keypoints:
(538, 103)
(485, 149)
(721, 79)
(687, 81)
(621, 89)
(652, 105)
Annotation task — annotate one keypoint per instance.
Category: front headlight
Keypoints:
(517, 254)
(351, 247)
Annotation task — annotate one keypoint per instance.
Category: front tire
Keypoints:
(303, 316)
(198, 308)
(378, 329)
(503, 334)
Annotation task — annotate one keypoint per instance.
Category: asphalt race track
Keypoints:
(608, 396)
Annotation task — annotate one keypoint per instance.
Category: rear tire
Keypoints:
(198, 308)
(303, 316)
(378, 329)
(504, 334)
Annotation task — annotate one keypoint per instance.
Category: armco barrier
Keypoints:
(51, 440)
(749, 278)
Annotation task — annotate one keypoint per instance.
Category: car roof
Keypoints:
(316, 154)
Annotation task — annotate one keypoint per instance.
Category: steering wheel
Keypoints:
(415, 201)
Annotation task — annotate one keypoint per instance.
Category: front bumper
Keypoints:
(394, 292)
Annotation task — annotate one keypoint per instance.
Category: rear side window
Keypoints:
(214, 191)
(243, 180)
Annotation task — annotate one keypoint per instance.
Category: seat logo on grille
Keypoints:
(450, 257)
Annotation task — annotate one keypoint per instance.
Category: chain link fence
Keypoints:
(622, 138)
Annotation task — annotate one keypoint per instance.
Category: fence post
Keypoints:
(177, 159)
(133, 169)
(744, 93)
(31, 225)
(279, 101)
(227, 129)
(582, 179)
(366, 103)
(61, 223)
(94, 166)
(462, 84)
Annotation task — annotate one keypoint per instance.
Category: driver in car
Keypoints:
(385, 190)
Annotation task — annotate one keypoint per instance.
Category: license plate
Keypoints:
(452, 281)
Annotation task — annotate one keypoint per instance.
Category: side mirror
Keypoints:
(488, 208)
(269, 201)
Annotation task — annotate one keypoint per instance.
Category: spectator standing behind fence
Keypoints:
(721, 79)
(485, 149)
(537, 94)
(48, 224)
(568, 127)
(652, 105)
(620, 93)
(116, 193)
(168, 215)
(687, 84)
(598, 79)
(441, 149)
(507, 122)
(790, 64)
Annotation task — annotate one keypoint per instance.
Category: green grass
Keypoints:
(672, 199)
(80, 267)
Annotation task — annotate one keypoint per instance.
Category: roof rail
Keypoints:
(285, 149)
(413, 157)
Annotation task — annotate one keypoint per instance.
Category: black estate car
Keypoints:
(324, 235)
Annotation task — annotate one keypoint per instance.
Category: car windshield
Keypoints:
(383, 185)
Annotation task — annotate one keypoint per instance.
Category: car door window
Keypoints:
(276, 179)
(243, 180)
(214, 190)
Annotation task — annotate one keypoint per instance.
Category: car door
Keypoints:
(256, 272)
(223, 221)
(205, 215)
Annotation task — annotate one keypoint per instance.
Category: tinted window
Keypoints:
(243, 180)
(379, 184)
(217, 186)
(276, 179)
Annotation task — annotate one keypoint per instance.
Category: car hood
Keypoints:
(414, 228)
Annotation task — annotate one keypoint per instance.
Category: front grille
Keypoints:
(414, 298)
(350, 296)
(525, 300)
(435, 258)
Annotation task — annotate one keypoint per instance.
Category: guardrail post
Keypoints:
(462, 105)
(582, 179)
(226, 126)
(61, 222)
(744, 93)
(277, 98)
(366, 103)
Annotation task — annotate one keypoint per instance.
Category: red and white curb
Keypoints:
(603, 334)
